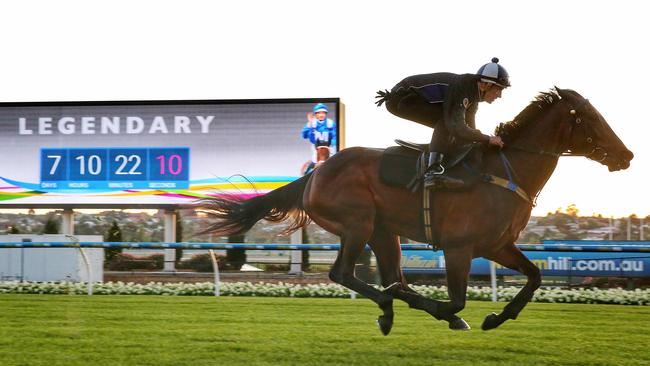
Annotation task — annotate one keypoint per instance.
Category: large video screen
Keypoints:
(153, 154)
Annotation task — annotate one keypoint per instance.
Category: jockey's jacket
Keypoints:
(320, 133)
(445, 101)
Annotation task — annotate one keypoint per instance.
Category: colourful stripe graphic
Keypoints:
(236, 186)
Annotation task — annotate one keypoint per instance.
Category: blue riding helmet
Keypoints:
(494, 73)
(320, 107)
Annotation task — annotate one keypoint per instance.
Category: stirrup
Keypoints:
(435, 169)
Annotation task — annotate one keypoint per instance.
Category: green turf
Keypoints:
(156, 330)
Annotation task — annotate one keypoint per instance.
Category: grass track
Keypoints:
(157, 330)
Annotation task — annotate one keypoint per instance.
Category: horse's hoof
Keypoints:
(459, 324)
(385, 324)
(491, 321)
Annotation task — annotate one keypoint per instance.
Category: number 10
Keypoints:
(174, 164)
(94, 164)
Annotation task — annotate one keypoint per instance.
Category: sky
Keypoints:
(171, 50)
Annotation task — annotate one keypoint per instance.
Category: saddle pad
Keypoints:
(397, 166)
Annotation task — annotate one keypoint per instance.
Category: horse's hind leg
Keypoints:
(340, 200)
(353, 242)
(386, 247)
(458, 261)
(510, 256)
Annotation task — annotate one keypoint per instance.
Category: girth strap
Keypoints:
(509, 185)
(426, 206)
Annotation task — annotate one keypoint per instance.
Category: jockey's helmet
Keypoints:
(320, 107)
(494, 73)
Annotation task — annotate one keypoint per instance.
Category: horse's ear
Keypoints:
(569, 95)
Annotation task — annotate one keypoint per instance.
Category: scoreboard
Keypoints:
(115, 168)
(153, 153)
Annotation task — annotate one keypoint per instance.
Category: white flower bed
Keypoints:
(588, 296)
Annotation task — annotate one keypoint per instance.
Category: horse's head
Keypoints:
(322, 153)
(590, 135)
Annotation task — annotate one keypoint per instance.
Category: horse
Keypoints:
(322, 154)
(346, 197)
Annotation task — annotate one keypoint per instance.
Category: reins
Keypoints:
(533, 151)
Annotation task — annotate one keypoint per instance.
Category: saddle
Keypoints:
(404, 165)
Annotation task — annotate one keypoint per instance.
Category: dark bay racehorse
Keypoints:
(322, 154)
(346, 197)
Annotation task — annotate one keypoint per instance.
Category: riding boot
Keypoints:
(435, 176)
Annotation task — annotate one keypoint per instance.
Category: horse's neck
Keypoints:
(532, 170)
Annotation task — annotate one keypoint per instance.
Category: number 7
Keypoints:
(57, 159)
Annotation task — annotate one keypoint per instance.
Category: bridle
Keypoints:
(577, 124)
(597, 153)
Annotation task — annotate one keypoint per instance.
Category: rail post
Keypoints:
(493, 280)
(217, 280)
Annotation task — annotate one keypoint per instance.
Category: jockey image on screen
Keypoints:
(321, 133)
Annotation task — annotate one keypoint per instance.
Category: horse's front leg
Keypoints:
(511, 257)
(387, 250)
(416, 301)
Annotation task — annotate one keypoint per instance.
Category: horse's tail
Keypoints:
(382, 96)
(236, 216)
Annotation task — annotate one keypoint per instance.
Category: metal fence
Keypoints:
(565, 246)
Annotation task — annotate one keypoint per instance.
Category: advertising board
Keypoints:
(550, 263)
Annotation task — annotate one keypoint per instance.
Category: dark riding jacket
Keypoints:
(445, 101)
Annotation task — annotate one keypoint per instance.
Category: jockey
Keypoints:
(319, 130)
(448, 103)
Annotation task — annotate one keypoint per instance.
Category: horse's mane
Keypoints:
(510, 130)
